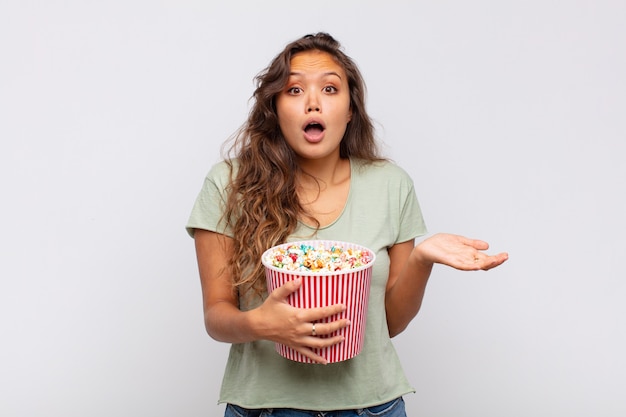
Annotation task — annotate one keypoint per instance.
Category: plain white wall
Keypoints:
(510, 116)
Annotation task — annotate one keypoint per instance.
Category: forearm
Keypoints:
(405, 289)
(273, 320)
(223, 319)
(404, 298)
(277, 321)
(224, 322)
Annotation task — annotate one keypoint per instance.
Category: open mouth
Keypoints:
(314, 129)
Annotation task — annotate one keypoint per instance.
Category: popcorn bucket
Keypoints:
(320, 288)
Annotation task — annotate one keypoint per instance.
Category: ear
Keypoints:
(350, 115)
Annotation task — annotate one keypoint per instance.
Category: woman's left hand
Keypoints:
(457, 252)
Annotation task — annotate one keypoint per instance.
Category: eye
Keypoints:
(294, 90)
(330, 89)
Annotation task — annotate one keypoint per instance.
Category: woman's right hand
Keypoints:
(273, 320)
(278, 321)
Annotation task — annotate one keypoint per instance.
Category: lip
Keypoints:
(314, 138)
(314, 120)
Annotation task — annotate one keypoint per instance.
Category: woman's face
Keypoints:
(314, 107)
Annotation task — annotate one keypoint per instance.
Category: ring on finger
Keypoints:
(313, 330)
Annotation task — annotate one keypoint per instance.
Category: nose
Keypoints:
(312, 103)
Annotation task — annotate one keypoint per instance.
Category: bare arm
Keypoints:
(274, 320)
(405, 287)
(411, 267)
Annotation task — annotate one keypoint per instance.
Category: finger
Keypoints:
(310, 342)
(287, 289)
(477, 244)
(319, 313)
(314, 342)
(323, 342)
(311, 355)
(487, 262)
(496, 260)
(323, 329)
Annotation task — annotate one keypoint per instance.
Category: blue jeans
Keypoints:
(393, 408)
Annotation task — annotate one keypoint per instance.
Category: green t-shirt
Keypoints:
(381, 210)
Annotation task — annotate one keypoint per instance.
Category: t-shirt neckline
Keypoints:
(343, 210)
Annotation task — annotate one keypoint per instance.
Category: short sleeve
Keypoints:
(209, 206)
(412, 223)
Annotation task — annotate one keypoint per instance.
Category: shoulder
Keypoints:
(222, 172)
(222, 168)
(385, 171)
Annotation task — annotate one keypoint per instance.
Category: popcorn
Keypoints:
(331, 272)
(307, 258)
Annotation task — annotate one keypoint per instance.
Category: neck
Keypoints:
(329, 171)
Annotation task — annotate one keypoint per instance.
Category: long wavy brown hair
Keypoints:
(262, 208)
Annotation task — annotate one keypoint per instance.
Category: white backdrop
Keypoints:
(510, 116)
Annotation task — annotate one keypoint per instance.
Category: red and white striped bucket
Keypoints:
(319, 289)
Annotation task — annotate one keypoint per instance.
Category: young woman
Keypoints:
(305, 165)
